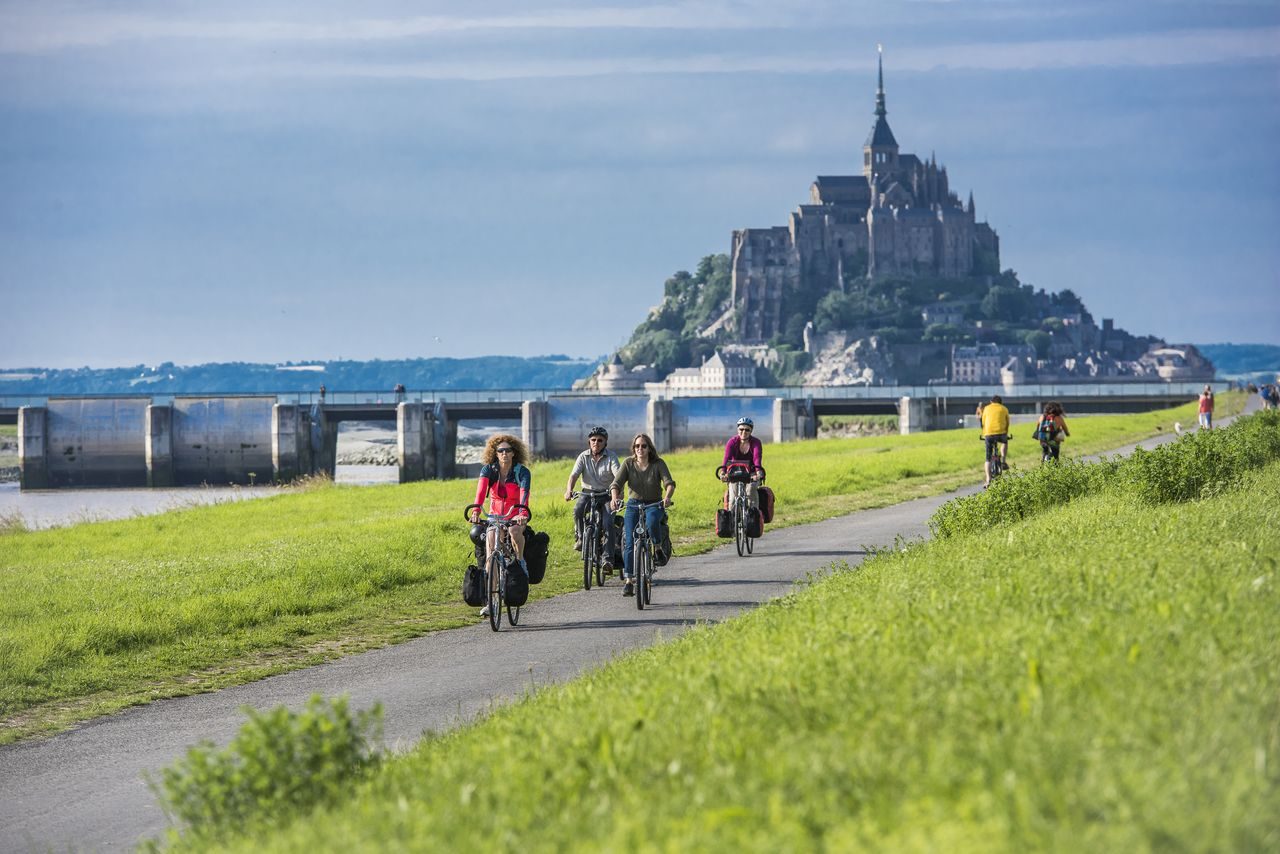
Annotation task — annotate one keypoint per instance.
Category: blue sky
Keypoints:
(237, 181)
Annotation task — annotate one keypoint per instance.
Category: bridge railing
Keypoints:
(1035, 391)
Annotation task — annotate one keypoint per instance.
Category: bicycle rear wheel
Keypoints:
(601, 545)
(513, 615)
(589, 539)
(495, 595)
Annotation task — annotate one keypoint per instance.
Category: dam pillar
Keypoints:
(159, 445)
(323, 442)
(785, 424)
(33, 447)
(289, 457)
(445, 433)
(533, 426)
(415, 439)
(658, 424)
(912, 417)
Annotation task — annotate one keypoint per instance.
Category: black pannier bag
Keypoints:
(536, 547)
(766, 503)
(724, 523)
(473, 587)
(517, 592)
(755, 523)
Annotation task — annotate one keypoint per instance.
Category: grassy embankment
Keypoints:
(96, 617)
(1103, 676)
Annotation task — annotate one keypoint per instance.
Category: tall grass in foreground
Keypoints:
(1101, 677)
(98, 616)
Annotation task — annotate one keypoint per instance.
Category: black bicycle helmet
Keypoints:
(599, 431)
(477, 533)
(746, 422)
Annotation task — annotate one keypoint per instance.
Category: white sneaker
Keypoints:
(484, 612)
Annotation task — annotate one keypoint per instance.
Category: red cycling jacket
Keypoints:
(503, 493)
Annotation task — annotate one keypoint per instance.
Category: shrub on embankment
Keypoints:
(1098, 678)
(1197, 465)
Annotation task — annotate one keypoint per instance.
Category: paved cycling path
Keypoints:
(83, 790)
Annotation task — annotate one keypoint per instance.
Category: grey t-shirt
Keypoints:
(645, 485)
(596, 474)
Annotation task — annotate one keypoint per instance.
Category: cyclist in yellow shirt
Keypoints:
(995, 432)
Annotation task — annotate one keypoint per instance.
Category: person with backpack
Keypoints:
(505, 480)
(1051, 430)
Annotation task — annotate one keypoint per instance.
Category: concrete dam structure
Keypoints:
(131, 441)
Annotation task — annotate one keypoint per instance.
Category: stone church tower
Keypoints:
(899, 217)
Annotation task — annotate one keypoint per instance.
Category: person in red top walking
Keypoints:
(744, 449)
(1206, 408)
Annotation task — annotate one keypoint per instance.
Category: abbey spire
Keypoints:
(880, 154)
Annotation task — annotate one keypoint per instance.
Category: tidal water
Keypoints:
(53, 508)
(56, 507)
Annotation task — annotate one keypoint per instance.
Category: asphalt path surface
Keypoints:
(84, 789)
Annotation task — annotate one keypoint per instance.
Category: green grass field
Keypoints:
(95, 617)
(1100, 677)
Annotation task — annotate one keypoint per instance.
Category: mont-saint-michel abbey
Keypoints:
(881, 278)
(898, 217)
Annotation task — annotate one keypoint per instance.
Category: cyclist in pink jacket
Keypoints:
(743, 449)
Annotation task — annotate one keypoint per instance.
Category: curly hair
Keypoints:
(521, 454)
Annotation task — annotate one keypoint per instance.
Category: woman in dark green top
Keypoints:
(646, 476)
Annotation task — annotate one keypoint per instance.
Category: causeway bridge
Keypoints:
(173, 440)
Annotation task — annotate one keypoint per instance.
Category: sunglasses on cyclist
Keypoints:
(640, 445)
(505, 450)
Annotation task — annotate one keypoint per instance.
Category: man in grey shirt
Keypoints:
(596, 466)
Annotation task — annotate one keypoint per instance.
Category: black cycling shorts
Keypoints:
(994, 443)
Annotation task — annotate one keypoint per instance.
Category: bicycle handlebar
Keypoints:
(720, 470)
(466, 513)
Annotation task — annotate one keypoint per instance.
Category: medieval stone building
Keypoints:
(899, 217)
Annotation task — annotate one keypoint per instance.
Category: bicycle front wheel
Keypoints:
(739, 530)
(588, 550)
(495, 597)
(648, 579)
(639, 563)
(513, 615)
